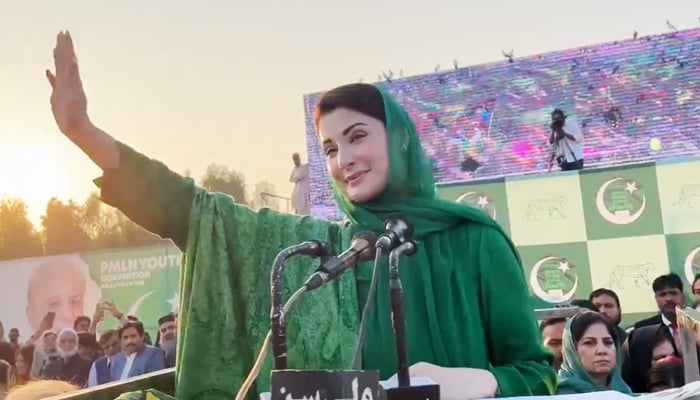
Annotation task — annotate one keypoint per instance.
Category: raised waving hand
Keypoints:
(68, 100)
(69, 106)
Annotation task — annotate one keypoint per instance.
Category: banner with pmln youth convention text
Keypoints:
(140, 281)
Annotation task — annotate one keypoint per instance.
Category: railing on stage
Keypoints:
(267, 196)
(556, 312)
(163, 381)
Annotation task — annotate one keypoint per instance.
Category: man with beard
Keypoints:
(608, 304)
(167, 338)
(71, 366)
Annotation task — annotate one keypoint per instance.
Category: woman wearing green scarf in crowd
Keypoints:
(470, 323)
(591, 356)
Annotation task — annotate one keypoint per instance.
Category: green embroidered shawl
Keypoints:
(467, 302)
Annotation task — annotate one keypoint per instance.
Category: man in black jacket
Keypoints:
(668, 291)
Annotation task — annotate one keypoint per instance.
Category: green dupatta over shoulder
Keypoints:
(573, 378)
(466, 299)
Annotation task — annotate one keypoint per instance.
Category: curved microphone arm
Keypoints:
(398, 319)
(312, 248)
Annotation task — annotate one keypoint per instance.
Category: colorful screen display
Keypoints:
(635, 100)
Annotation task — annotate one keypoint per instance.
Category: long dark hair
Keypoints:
(360, 97)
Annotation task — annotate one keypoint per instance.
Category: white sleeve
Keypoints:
(576, 132)
(92, 376)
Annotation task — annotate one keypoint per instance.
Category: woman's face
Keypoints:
(696, 289)
(21, 365)
(597, 350)
(356, 153)
(661, 351)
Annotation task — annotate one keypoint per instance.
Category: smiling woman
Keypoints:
(32, 173)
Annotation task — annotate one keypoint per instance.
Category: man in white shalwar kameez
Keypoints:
(301, 196)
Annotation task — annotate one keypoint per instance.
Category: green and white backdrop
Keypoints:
(617, 228)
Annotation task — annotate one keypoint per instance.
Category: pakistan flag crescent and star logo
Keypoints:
(482, 201)
(691, 264)
(553, 280)
(621, 201)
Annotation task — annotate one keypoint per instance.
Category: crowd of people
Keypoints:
(592, 352)
(83, 358)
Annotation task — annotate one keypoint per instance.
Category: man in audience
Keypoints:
(552, 331)
(14, 338)
(137, 357)
(71, 366)
(668, 291)
(608, 304)
(7, 352)
(167, 335)
(45, 353)
(82, 324)
(100, 372)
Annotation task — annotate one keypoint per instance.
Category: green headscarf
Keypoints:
(410, 188)
(411, 192)
(573, 378)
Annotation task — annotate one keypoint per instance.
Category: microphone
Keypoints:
(311, 248)
(396, 231)
(361, 249)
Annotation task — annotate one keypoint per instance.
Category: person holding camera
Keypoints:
(567, 141)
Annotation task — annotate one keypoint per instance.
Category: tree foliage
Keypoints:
(18, 238)
(220, 178)
(70, 226)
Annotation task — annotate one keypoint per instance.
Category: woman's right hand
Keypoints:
(68, 100)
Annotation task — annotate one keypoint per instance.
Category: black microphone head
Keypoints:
(399, 225)
(365, 241)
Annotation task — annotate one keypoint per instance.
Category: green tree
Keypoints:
(18, 238)
(63, 228)
(220, 178)
(109, 228)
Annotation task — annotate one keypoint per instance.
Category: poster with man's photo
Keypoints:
(142, 282)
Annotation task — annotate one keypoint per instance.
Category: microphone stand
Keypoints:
(398, 318)
(288, 383)
(278, 329)
(427, 389)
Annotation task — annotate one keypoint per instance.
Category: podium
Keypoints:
(346, 384)
(323, 384)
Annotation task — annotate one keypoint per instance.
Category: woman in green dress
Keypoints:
(591, 356)
(470, 323)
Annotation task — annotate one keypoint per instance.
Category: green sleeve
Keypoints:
(519, 361)
(225, 298)
(150, 194)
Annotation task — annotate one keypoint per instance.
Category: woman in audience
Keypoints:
(40, 390)
(647, 345)
(24, 358)
(591, 358)
(666, 373)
